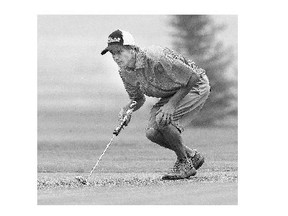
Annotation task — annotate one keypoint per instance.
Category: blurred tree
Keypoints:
(195, 36)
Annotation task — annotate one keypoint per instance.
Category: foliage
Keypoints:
(195, 36)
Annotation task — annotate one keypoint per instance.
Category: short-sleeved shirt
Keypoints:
(159, 72)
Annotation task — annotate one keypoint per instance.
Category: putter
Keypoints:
(116, 131)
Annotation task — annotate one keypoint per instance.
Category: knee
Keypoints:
(151, 134)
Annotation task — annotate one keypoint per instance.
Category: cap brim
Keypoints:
(111, 47)
(104, 51)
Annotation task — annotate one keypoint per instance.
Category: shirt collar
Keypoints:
(140, 60)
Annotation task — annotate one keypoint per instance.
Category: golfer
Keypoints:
(181, 86)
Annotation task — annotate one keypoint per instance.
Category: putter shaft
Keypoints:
(101, 155)
(115, 133)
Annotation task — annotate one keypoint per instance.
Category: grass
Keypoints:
(130, 171)
(132, 152)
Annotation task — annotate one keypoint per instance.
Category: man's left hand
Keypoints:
(164, 114)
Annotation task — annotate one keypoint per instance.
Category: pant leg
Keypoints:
(190, 106)
(152, 132)
(167, 136)
(187, 108)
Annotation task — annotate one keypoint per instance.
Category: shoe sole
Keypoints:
(175, 177)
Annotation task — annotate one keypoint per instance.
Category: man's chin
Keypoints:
(121, 65)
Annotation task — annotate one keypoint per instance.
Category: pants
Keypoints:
(187, 108)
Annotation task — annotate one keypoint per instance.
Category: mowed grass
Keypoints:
(131, 151)
(69, 144)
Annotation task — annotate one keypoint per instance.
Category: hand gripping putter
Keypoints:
(116, 131)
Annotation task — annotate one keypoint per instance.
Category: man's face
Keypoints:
(123, 57)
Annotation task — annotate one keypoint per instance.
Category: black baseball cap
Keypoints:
(118, 37)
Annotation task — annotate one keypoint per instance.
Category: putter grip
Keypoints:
(129, 112)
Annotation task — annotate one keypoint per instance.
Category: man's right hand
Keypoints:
(122, 114)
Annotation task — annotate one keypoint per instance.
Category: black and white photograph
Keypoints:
(143, 107)
(137, 109)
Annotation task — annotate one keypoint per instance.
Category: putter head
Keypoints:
(82, 180)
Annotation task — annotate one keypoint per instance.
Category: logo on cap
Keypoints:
(113, 40)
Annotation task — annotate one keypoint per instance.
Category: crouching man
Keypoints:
(181, 86)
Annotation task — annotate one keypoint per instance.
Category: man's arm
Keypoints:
(135, 94)
(165, 113)
(139, 103)
(123, 111)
